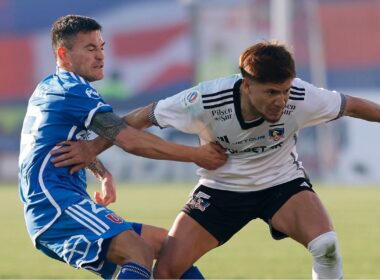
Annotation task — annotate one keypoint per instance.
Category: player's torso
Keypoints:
(57, 111)
(223, 123)
(259, 152)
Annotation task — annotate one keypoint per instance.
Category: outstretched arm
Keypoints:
(80, 154)
(141, 143)
(362, 109)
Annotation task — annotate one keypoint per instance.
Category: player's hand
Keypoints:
(77, 154)
(210, 156)
(108, 191)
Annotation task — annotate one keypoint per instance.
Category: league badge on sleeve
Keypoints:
(190, 98)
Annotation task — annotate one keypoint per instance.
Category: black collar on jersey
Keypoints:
(239, 114)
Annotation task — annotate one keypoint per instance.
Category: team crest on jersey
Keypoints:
(276, 133)
(198, 201)
(114, 218)
(92, 93)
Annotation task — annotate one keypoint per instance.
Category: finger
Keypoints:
(63, 149)
(65, 163)
(64, 143)
(98, 199)
(60, 158)
(218, 148)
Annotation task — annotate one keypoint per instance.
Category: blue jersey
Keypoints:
(61, 108)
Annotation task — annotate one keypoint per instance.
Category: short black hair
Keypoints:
(67, 27)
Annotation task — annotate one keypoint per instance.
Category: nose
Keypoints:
(100, 55)
(281, 100)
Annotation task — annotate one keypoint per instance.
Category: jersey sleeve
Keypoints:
(319, 105)
(83, 102)
(182, 111)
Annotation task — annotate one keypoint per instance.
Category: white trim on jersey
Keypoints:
(92, 112)
(49, 197)
(90, 221)
(71, 133)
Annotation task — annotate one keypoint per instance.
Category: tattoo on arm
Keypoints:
(107, 125)
(97, 169)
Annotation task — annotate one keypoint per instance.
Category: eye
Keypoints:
(272, 92)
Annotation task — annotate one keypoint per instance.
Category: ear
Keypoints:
(62, 55)
(245, 85)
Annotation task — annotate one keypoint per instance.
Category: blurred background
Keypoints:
(156, 48)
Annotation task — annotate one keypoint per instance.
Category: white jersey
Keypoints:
(261, 154)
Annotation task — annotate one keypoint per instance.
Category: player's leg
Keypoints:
(86, 233)
(187, 241)
(210, 218)
(155, 236)
(128, 250)
(304, 219)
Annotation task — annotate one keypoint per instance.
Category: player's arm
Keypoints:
(108, 185)
(362, 109)
(141, 143)
(141, 118)
(82, 153)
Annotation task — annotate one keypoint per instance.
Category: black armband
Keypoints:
(107, 125)
(152, 117)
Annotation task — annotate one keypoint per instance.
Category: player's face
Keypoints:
(86, 57)
(268, 100)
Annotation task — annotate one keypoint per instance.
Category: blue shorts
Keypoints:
(81, 237)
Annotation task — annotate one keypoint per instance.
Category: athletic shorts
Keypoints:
(81, 237)
(224, 213)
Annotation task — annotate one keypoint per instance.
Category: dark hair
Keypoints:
(67, 27)
(267, 62)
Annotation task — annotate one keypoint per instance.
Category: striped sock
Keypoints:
(132, 270)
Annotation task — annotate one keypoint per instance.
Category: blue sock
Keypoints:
(192, 273)
(132, 270)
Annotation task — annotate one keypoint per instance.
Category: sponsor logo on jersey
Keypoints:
(289, 108)
(83, 135)
(223, 139)
(198, 201)
(256, 149)
(222, 114)
(92, 93)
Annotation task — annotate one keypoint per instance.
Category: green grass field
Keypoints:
(251, 254)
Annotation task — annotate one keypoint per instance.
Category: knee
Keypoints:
(128, 247)
(324, 249)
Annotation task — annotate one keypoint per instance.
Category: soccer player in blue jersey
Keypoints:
(61, 218)
(256, 116)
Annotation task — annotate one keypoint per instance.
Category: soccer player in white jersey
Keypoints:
(62, 220)
(256, 116)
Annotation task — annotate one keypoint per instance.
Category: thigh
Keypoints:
(81, 237)
(303, 217)
(186, 242)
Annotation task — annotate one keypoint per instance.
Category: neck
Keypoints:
(248, 111)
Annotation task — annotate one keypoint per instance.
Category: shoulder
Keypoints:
(218, 92)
